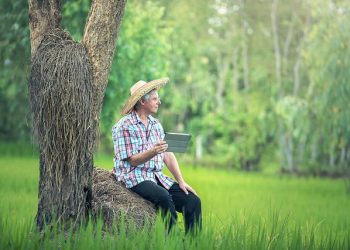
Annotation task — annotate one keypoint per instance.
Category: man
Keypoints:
(140, 154)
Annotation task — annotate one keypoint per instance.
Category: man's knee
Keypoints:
(164, 199)
(193, 204)
(166, 204)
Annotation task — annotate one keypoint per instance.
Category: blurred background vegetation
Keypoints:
(261, 85)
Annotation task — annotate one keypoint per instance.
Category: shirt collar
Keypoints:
(136, 119)
(151, 119)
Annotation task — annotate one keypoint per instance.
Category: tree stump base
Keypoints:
(113, 201)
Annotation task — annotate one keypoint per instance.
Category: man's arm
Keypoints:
(140, 158)
(173, 166)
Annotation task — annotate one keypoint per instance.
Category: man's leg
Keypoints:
(160, 197)
(189, 205)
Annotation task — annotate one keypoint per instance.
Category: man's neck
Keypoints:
(143, 116)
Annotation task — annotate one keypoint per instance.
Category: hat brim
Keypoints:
(132, 100)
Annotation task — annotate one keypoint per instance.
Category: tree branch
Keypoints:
(100, 35)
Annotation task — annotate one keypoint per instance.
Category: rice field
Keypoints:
(240, 211)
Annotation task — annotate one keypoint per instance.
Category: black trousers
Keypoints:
(172, 200)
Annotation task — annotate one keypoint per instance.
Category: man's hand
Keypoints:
(185, 187)
(159, 147)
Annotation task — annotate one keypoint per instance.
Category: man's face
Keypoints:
(151, 106)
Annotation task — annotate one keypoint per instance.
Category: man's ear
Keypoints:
(142, 102)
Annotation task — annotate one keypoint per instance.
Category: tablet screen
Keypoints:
(177, 142)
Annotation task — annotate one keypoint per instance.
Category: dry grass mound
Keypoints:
(111, 199)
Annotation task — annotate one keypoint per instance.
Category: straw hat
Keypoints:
(138, 90)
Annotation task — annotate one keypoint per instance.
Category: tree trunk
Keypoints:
(222, 66)
(298, 61)
(278, 66)
(245, 56)
(287, 44)
(199, 147)
(100, 35)
(244, 45)
(235, 72)
(42, 17)
(66, 105)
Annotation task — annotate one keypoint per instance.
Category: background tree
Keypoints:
(326, 56)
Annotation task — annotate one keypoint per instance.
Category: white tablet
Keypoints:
(177, 142)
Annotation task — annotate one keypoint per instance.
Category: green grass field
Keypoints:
(240, 211)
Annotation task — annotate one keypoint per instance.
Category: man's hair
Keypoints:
(144, 98)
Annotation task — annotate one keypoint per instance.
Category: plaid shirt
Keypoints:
(130, 136)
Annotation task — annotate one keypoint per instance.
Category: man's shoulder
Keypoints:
(124, 123)
(155, 120)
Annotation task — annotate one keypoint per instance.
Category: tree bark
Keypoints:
(42, 17)
(65, 189)
(100, 35)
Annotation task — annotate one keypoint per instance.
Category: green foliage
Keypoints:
(236, 136)
(75, 13)
(14, 61)
(141, 55)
